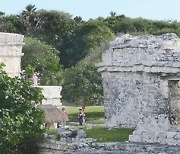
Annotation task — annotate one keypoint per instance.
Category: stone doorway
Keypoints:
(174, 104)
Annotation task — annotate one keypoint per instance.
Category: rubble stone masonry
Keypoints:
(141, 86)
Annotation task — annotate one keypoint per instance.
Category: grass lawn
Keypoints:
(97, 121)
(90, 111)
(53, 132)
(105, 135)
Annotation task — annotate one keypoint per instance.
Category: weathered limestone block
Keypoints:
(118, 113)
(52, 95)
(141, 81)
(11, 52)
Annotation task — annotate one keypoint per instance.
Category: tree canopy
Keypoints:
(58, 42)
(44, 59)
(83, 84)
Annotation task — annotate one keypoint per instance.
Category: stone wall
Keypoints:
(141, 77)
(122, 107)
(11, 52)
(132, 71)
(89, 146)
(52, 95)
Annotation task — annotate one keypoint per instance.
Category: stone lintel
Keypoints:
(139, 68)
(11, 55)
(12, 44)
(173, 78)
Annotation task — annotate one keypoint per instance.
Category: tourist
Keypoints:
(35, 79)
(64, 118)
(22, 75)
(81, 116)
(39, 77)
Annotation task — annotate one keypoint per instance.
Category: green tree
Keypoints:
(11, 24)
(113, 19)
(86, 37)
(30, 9)
(44, 59)
(124, 26)
(29, 18)
(53, 26)
(21, 122)
(82, 84)
(141, 25)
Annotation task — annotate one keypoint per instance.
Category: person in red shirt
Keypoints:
(64, 118)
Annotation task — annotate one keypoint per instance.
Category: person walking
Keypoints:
(81, 116)
(64, 118)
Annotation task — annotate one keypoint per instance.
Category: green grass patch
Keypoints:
(97, 121)
(90, 111)
(105, 135)
(53, 132)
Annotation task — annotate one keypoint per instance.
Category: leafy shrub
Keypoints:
(21, 122)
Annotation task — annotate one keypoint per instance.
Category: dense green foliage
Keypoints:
(20, 121)
(64, 50)
(82, 84)
(68, 41)
(85, 38)
(44, 59)
(102, 134)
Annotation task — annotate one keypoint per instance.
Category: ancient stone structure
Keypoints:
(52, 95)
(141, 86)
(89, 146)
(11, 52)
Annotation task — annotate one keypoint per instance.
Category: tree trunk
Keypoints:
(83, 105)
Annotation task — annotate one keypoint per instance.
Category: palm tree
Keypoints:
(28, 17)
(30, 10)
(112, 14)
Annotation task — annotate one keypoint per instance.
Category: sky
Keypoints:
(149, 9)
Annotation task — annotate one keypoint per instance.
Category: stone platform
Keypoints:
(84, 146)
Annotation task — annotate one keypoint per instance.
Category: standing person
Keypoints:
(35, 79)
(23, 75)
(39, 77)
(64, 117)
(81, 116)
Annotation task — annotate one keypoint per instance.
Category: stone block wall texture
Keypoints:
(52, 95)
(11, 52)
(122, 107)
(141, 86)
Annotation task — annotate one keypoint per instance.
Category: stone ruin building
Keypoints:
(11, 53)
(141, 81)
